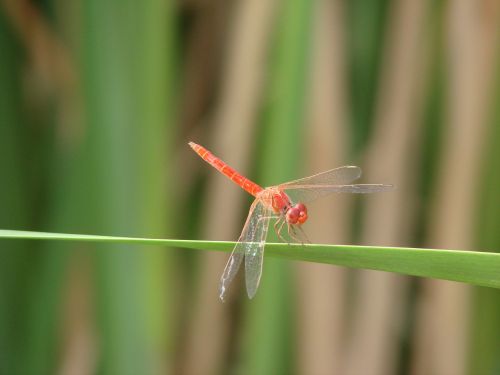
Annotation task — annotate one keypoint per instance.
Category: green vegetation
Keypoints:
(98, 99)
(475, 268)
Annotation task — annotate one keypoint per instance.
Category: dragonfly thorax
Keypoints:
(277, 199)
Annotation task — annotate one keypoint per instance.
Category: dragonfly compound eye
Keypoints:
(302, 212)
(297, 214)
(292, 215)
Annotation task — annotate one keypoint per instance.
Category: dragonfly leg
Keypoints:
(292, 234)
(278, 229)
(304, 234)
(267, 217)
(276, 225)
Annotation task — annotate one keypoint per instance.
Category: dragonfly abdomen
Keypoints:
(226, 170)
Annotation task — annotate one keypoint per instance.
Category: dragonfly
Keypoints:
(284, 203)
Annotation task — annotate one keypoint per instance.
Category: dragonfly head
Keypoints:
(297, 214)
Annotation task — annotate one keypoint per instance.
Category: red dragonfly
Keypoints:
(285, 203)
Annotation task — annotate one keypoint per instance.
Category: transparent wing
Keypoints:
(250, 245)
(254, 248)
(308, 193)
(337, 176)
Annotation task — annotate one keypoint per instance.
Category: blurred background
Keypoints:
(98, 100)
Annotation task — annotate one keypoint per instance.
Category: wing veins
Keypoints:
(337, 176)
(250, 247)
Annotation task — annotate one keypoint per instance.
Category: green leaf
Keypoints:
(476, 268)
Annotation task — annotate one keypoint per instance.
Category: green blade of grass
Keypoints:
(16, 259)
(476, 268)
(267, 341)
(485, 312)
(127, 54)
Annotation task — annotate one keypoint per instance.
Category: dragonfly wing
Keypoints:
(307, 193)
(337, 176)
(232, 266)
(248, 244)
(234, 262)
(254, 248)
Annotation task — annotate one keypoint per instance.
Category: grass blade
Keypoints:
(269, 333)
(476, 268)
